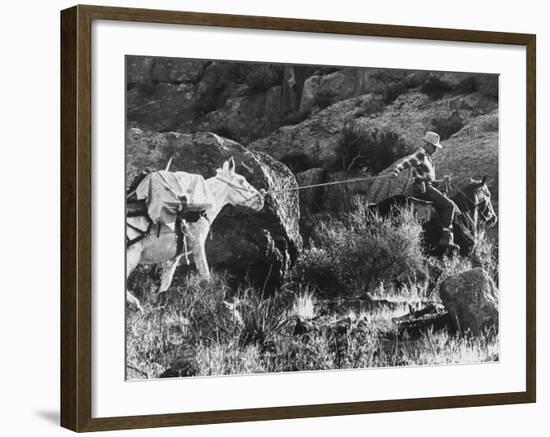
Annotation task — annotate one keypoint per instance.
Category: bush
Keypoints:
(435, 88)
(487, 85)
(361, 251)
(467, 86)
(228, 359)
(485, 255)
(317, 266)
(363, 146)
(294, 117)
(371, 104)
(393, 90)
(262, 318)
(325, 97)
(447, 126)
(298, 161)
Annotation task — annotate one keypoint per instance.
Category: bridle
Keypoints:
(240, 190)
(476, 205)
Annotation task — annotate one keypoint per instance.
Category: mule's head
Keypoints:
(476, 196)
(240, 192)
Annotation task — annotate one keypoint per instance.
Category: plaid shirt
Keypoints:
(420, 164)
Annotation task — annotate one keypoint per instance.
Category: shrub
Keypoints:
(363, 250)
(294, 117)
(316, 352)
(325, 97)
(435, 88)
(262, 318)
(227, 359)
(204, 305)
(487, 85)
(446, 126)
(467, 85)
(363, 146)
(371, 104)
(393, 90)
(298, 161)
(318, 267)
(485, 255)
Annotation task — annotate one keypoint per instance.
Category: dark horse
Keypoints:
(474, 211)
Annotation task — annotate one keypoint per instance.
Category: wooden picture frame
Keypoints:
(76, 217)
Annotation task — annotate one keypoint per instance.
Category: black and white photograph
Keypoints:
(286, 217)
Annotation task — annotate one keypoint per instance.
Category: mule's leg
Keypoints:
(168, 270)
(133, 255)
(202, 264)
(200, 232)
(199, 256)
(133, 301)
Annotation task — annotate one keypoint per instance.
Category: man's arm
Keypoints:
(412, 160)
(440, 182)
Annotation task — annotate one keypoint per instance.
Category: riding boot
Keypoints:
(447, 239)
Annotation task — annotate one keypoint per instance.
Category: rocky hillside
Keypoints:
(324, 123)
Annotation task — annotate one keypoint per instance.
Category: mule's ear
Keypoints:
(225, 166)
(231, 165)
(484, 180)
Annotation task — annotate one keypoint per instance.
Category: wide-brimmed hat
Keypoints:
(433, 139)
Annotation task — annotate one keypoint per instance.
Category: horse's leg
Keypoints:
(133, 255)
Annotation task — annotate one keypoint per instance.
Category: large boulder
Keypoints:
(322, 90)
(317, 136)
(261, 245)
(246, 117)
(471, 298)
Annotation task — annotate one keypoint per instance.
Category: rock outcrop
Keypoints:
(351, 122)
(471, 298)
(261, 245)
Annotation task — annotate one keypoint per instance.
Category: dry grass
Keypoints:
(211, 329)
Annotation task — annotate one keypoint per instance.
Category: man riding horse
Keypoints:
(425, 185)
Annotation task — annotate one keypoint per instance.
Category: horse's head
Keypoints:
(476, 197)
(240, 192)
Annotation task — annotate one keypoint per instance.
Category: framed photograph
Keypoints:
(268, 218)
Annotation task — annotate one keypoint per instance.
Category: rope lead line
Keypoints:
(331, 183)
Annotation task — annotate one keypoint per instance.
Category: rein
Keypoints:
(348, 181)
(239, 189)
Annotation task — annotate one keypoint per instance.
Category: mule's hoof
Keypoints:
(135, 306)
(204, 282)
(133, 303)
